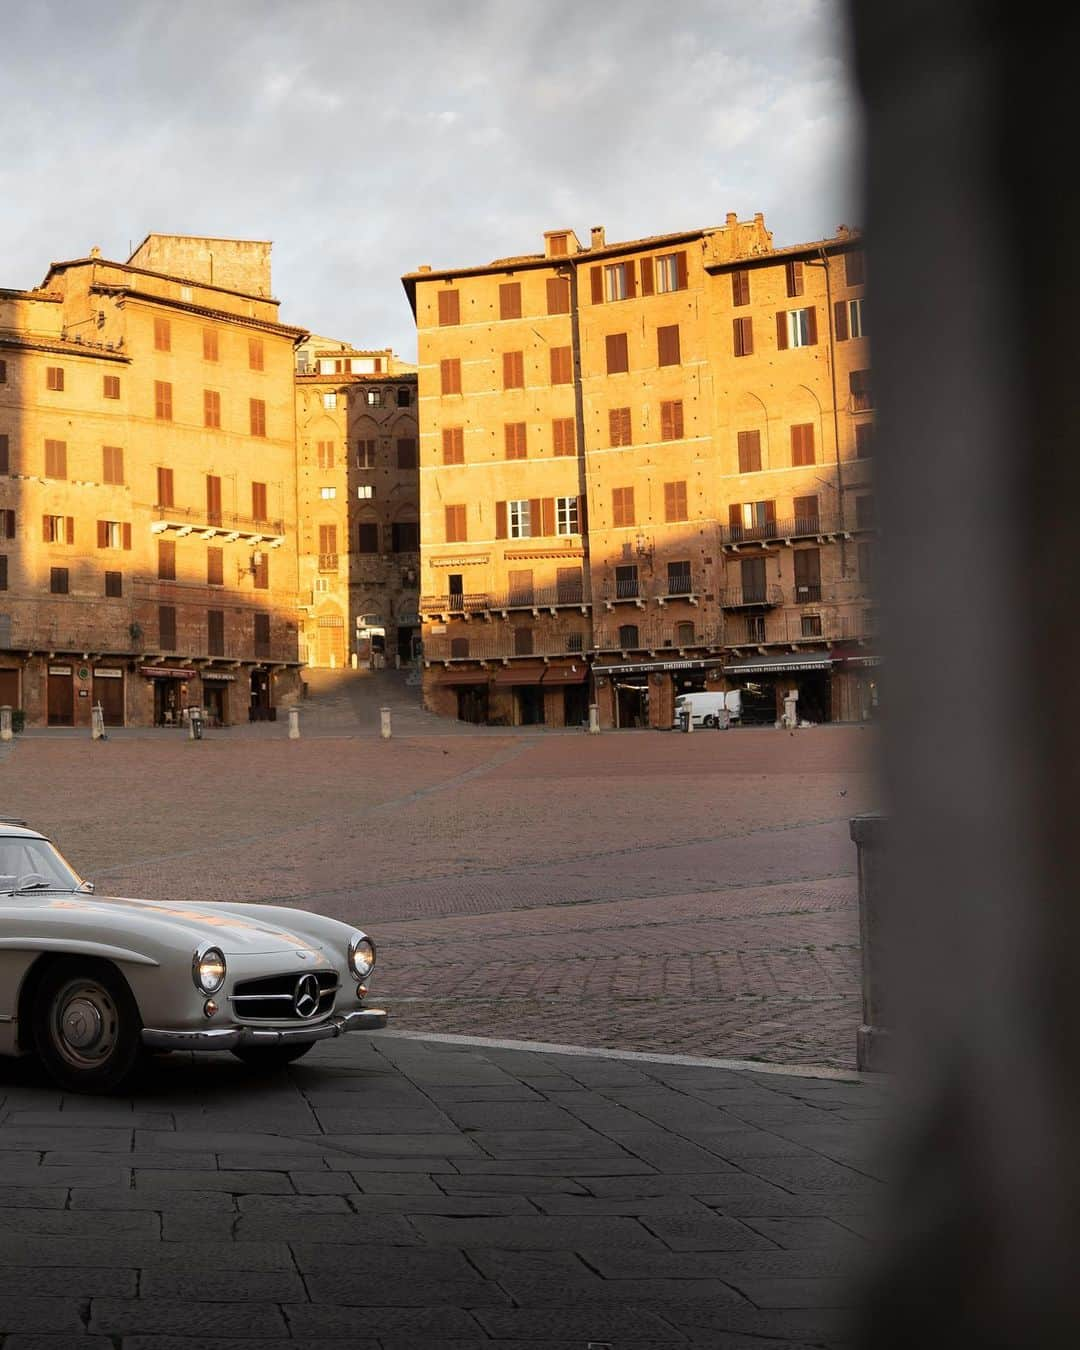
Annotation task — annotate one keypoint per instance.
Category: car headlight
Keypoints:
(208, 969)
(361, 956)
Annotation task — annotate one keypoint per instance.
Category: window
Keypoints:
(453, 445)
(558, 244)
(255, 353)
(618, 356)
(807, 519)
(5, 456)
(258, 501)
(864, 440)
(807, 576)
(810, 625)
(166, 560)
(796, 328)
(793, 275)
(459, 647)
(404, 398)
(520, 516)
(261, 634)
(510, 300)
(450, 375)
(3, 372)
(749, 451)
(523, 642)
(329, 402)
(365, 491)
(406, 452)
(7, 523)
(566, 515)
(405, 536)
(365, 454)
(558, 295)
(257, 415)
(209, 344)
(215, 567)
(327, 544)
(671, 420)
(849, 319)
(569, 586)
(626, 582)
(669, 271)
(743, 336)
(679, 578)
(215, 632)
(684, 634)
(56, 459)
(628, 637)
(563, 436)
(110, 386)
(740, 286)
(373, 398)
(456, 524)
(864, 512)
(163, 400)
(855, 267)
(513, 370)
(755, 628)
(562, 368)
(58, 580)
(620, 429)
(261, 573)
(675, 507)
(162, 335)
(211, 401)
(862, 394)
(514, 437)
(213, 499)
(619, 281)
(164, 487)
(324, 454)
(575, 642)
(520, 586)
(54, 378)
(112, 464)
(367, 538)
(622, 506)
(802, 444)
(449, 308)
(751, 520)
(667, 345)
(113, 534)
(58, 529)
(865, 562)
(114, 585)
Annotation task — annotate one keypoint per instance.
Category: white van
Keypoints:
(707, 709)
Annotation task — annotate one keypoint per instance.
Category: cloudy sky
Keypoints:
(365, 139)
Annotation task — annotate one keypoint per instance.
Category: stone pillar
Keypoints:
(384, 723)
(294, 724)
(5, 723)
(594, 720)
(871, 1046)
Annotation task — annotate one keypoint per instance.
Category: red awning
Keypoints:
(456, 675)
(574, 674)
(521, 672)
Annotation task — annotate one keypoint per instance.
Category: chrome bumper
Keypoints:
(227, 1038)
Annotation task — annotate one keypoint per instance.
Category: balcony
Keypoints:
(535, 598)
(820, 526)
(225, 525)
(680, 586)
(328, 562)
(793, 630)
(623, 591)
(751, 597)
(656, 638)
(441, 606)
(488, 645)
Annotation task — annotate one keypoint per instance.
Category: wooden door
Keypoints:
(9, 688)
(109, 692)
(61, 701)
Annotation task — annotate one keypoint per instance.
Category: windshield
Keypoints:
(33, 865)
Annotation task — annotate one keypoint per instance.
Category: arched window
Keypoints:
(628, 636)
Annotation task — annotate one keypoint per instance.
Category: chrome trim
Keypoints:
(226, 1038)
(199, 954)
(278, 998)
(354, 942)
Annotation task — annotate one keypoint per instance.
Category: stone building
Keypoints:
(644, 470)
(148, 511)
(358, 494)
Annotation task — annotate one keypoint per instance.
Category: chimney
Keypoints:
(597, 240)
(424, 267)
(732, 219)
(95, 252)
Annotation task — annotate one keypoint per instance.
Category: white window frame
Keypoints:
(329, 401)
(328, 494)
(365, 491)
(374, 398)
(798, 327)
(57, 530)
(665, 271)
(519, 519)
(856, 329)
(114, 535)
(615, 281)
(322, 585)
(566, 515)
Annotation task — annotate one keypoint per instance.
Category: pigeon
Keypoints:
(843, 792)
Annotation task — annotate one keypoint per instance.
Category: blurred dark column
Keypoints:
(974, 313)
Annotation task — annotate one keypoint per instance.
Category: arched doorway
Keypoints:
(330, 641)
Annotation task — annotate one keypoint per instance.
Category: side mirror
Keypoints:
(86, 888)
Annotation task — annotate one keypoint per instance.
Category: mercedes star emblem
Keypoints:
(306, 996)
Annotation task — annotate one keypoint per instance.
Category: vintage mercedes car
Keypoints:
(93, 984)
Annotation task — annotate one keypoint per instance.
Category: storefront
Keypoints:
(108, 691)
(765, 681)
(170, 692)
(217, 687)
(642, 694)
(60, 697)
(856, 685)
(260, 706)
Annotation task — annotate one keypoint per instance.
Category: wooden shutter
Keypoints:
(512, 370)
(562, 436)
(667, 345)
(806, 511)
(213, 499)
(582, 515)
(811, 324)
(617, 353)
(646, 266)
(69, 529)
(781, 330)
(749, 451)
(681, 278)
(734, 515)
(629, 271)
(449, 308)
(740, 287)
(794, 276)
(560, 365)
(165, 487)
(807, 569)
(215, 566)
(102, 534)
(743, 336)
(500, 520)
(596, 281)
(670, 501)
(558, 295)
(802, 444)
(840, 320)
(258, 501)
(5, 459)
(534, 517)
(510, 300)
(547, 516)
(450, 374)
(854, 270)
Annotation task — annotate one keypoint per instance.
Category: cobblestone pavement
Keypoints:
(389, 1193)
(642, 890)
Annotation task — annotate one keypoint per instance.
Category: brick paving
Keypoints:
(637, 890)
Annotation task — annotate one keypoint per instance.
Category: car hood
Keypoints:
(235, 933)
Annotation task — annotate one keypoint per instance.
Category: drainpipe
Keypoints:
(571, 274)
(823, 262)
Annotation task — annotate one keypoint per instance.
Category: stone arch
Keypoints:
(750, 415)
(801, 407)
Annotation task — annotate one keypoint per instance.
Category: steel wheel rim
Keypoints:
(84, 1023)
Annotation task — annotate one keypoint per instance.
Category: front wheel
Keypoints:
(710, 721)
(87, 1028)
(268, 1058)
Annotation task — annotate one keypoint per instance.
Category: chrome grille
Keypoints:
(272, 997)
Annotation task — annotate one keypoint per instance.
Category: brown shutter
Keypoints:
(70, 527)
(547, 516)
(582, 515)
(646, 266)
(812, 324)
(670, 501)
(558, 295)
(596, 280)
(680, 270)
(45, 529)
(770, 512)
(840, 320)
(781, 330)
(677, 420)
(631, 285)
(534, 516)
(102, 534)
(500, 520)
(734, 515)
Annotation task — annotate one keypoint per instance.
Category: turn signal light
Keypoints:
(361, 991)
(209, 1008)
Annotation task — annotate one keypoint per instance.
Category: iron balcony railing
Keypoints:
(751, 597)
(541, 597)
(656, 637)
(484, 646)
(455, 602)
(794, 527)
(757, 630)
(676, 584)
(196, 515)
(328, 562)
(623, 588)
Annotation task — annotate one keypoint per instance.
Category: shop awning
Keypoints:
(521, 672)
(777, 662)
(637, 667)
(572, 674)
(462, 675)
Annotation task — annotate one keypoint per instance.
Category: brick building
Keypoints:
(148, 512)
(645, 469)
(358, 493)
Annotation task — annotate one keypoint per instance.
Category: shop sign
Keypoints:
(59, 670)
(166, 673)
(216, 675)
(100, 674)
(643, 668)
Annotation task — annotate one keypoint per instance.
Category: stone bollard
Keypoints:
(872, 1041)
(384, 723)
(194, 724)
(689, 715)
(5, 723)
(594, 719)
(294, 724)
(97, 722)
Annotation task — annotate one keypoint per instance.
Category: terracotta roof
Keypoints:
(223, 315)
(62, 347)
(52, 297)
